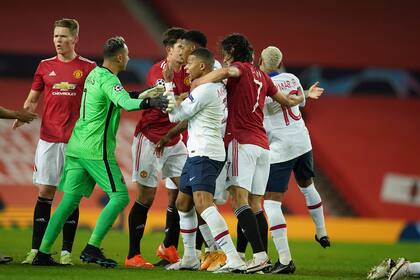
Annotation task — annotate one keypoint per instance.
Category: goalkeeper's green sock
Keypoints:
(117, 202)
(66, 207)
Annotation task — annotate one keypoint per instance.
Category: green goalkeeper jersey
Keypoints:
(94, 135)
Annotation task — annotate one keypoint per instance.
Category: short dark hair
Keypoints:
(113, 46)
(172, 35)
(196, 37)
(69, 23)
(205, 55)
(238, 46)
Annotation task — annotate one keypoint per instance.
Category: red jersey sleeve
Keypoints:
(154, 75)
(271, 88)
(38, 82)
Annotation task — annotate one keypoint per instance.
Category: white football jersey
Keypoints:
(206, 111)
(286, 130)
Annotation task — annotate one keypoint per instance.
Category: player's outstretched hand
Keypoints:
(171, 101)
(296, 98)
(168, 72)
(23, 117)
(160, 146)
(152, 92)
(315, 91)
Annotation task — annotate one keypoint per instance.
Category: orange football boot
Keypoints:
(170, 254)
(137, 262)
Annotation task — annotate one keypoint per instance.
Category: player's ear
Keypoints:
(202, 66)
(168, 49)
(76, 39)
(120, 57)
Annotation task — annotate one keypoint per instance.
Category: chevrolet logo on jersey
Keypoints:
(64, 86)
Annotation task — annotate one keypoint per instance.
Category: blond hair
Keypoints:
(271, 57)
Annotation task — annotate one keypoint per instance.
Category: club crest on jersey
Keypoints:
(118, 88)
(187, 81)
(64, 86)
(143, 174)
(78, 74)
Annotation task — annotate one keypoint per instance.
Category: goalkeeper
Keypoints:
(90, 155)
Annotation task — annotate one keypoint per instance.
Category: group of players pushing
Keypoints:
(245, 136)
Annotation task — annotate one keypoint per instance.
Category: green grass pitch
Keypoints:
(341, 261)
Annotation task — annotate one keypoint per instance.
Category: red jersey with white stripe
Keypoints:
(154, 124)
(62, 84)
(245, 101)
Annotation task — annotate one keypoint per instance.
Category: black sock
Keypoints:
(42, 213)
(136, 224)
(241, 241)
(171, 228)
(69, 230)
(263, 227)
(199, 240)
(248, 223)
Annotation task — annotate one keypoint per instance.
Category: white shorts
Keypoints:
(169, 184)
(220, 193)
(146, 166)
(248, 167)
(49, 161)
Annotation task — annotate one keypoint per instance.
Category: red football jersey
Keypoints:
(245, 101)
(154, 124)
(62, 84)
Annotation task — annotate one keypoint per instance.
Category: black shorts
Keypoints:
(200, 174)
(302, 166)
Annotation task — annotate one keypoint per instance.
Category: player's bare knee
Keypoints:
(276, 196)
(47, 192)
(255, 203)
(239, 197)
(304, 183)
(145, 195)
(183, 203)
(202, 201)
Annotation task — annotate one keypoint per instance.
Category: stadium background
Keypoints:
(365, 130)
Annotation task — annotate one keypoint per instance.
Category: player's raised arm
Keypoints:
(217, 76)
(189, 107)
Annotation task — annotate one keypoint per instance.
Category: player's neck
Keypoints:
(115, 69)
(66, 57)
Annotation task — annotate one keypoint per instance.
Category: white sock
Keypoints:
(198, 253)
(220, 232)
(188, 227)
(208, 237)
(314, 204)
(260, 256)
(278, 229)
(414, 269)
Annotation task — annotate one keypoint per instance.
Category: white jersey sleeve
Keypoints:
(190, 106)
